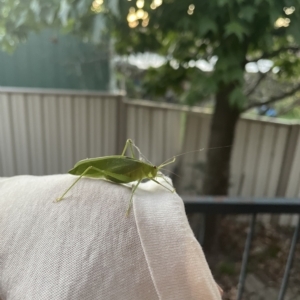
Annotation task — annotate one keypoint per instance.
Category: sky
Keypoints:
(146, 60)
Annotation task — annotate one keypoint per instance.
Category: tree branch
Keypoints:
(274, 98)
(294, 49)
(261, 77)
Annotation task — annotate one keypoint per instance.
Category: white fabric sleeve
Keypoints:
(85, 248)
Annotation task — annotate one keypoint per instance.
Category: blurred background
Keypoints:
(79, 77)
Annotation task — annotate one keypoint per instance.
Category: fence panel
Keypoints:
(192, 164)
(238, 157)
(293, 189)
(155, 128)
(8, 161)
(48, 131)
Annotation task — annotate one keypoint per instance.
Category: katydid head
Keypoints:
(150, 171)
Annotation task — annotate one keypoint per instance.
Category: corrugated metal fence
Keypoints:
(47, 131)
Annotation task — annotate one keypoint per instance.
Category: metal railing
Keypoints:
(252, 206)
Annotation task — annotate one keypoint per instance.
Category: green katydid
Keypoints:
(123, 169)
(119, 169)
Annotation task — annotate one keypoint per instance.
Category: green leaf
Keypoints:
(221, 3)
(206, 24)
(82, 6)
(234, 74)
(49, 17)
(36, 9)
(237, 29)
(22, 18)
(274, 15)
(112, 5)
(294, 30)
(68, 27)
(64, 12)
(247, 13)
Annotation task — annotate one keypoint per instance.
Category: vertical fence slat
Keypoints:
(80, 127)
(66, 137)
(100, 125)
(93, 128)
(157, 137)
(2, 135)
(187, 161)
(288, 159)
(131, 122)
(250, 165)
(36, 135)
(264, 165)
(18, 103)
(121, 122)
(264, 160)
(276, 168)
(143, 128)
(200, 156)
(7, 143)
(196, 166)
(139, 128)
(238, 156)
(292, 188)
(146, 126)
(110, 127)
(277, 159)
(51, 129)
(293, 183)
(173, 129)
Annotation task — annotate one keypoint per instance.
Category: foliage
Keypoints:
(236, 32)
(233, 33)
(18, 18)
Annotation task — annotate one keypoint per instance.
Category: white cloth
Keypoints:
(85, 248)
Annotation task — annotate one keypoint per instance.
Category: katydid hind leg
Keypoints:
(87, 169)
(129, 143)
(131, 198)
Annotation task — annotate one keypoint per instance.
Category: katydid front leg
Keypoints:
(167, 182)
(131, 198)
(172, 191)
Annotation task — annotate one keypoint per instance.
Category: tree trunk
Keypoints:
(217, 169)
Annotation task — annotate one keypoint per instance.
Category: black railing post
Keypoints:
(246, 257)
(289, 262)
